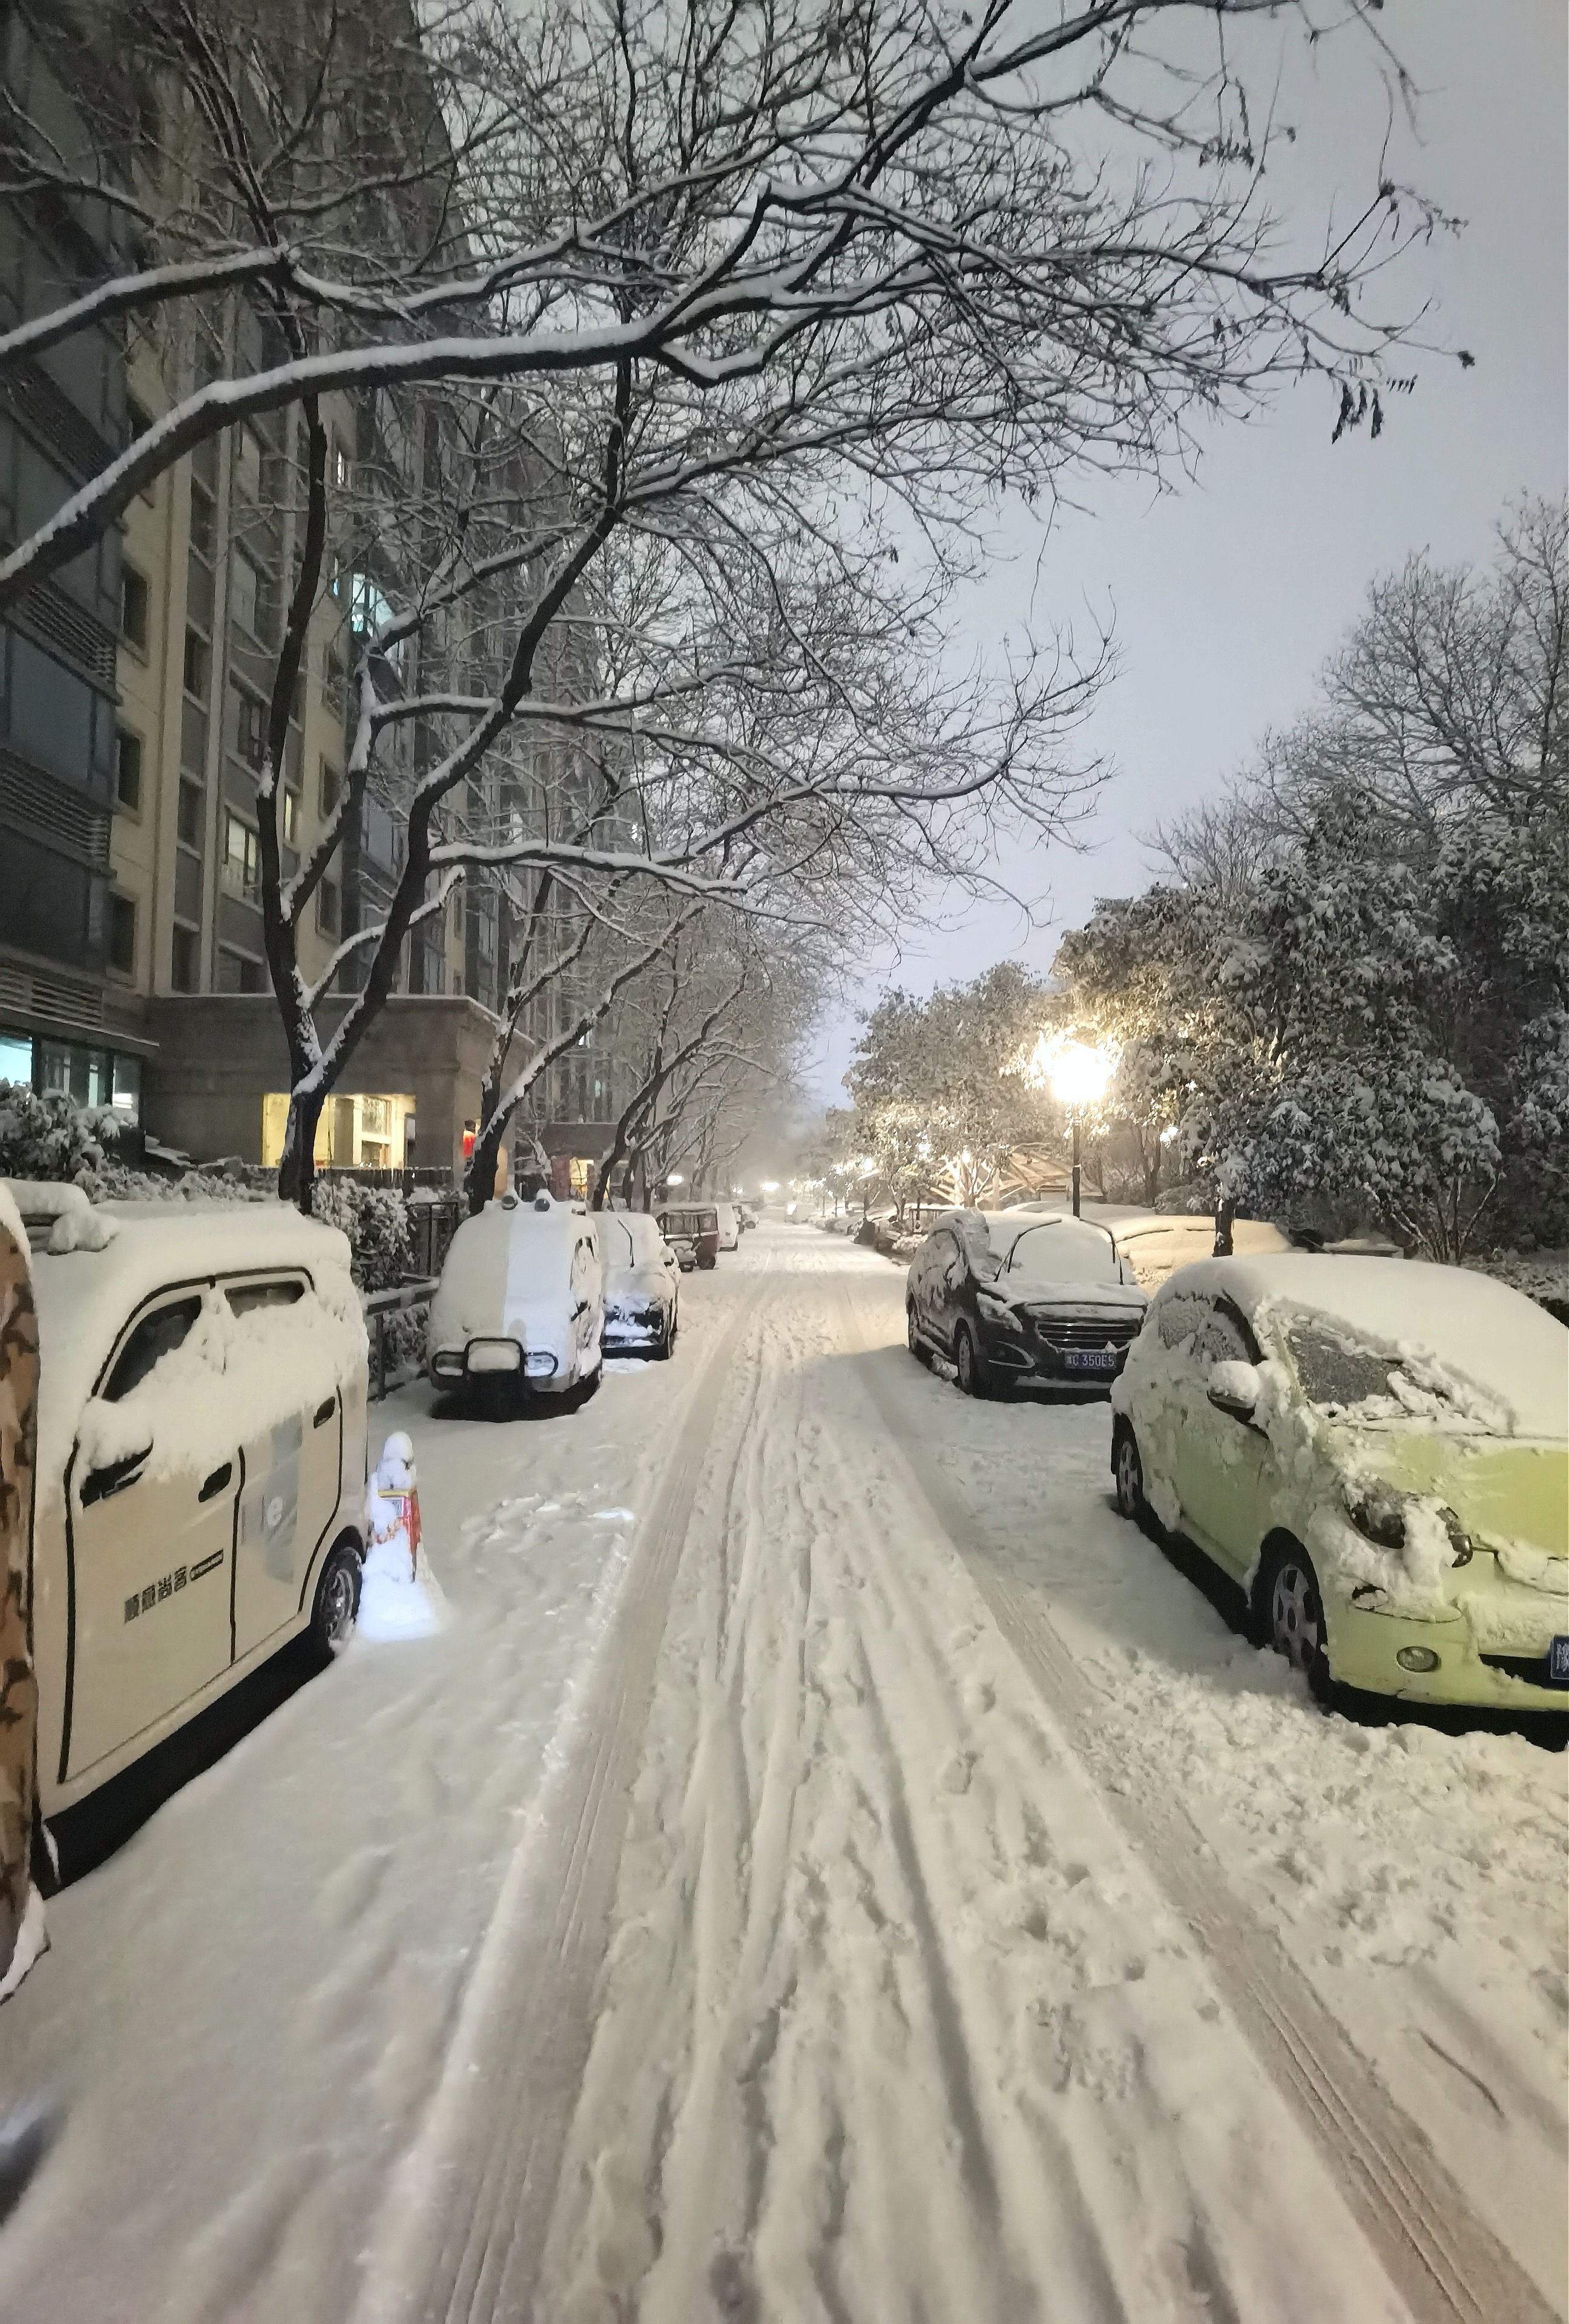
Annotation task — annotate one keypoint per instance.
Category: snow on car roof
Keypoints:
(84, 1296)
(1473, 1324)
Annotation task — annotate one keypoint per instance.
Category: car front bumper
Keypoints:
(1034, 1361)
(1471, 1670)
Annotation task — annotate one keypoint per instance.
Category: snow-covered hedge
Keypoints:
(50, 1140)
(375, 1220)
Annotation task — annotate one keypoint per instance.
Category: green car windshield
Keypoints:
(1344, 1377)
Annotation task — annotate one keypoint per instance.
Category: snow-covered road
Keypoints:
(830, 1868)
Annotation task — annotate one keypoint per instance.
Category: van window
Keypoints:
(156, 1335)
(283, 1291)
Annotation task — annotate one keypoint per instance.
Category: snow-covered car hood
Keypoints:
(1092, 1298)
(628, 1289)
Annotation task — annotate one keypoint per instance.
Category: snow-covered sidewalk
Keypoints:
(245, 2010)
(775, 1896)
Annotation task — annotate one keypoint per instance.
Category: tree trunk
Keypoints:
(297, 1163)
(479, 1179)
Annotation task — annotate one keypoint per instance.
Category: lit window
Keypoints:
(291, 818)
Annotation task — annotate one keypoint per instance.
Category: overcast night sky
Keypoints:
(1228, 592)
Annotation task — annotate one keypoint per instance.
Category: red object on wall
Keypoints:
(561, 1177)
(468, 1145)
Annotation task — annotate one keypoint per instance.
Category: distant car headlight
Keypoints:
(1378, 1511)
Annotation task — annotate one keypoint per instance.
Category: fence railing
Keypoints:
(405, 1182)
(407, 1299)
(431, 1227)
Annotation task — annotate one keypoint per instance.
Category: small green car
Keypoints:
(1378, 1451)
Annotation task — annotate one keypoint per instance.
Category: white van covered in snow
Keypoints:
(520, 1300)
(201, 1466)
(642, 1280)
(729, 1226)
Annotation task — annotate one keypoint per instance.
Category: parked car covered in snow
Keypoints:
(201, 1463)
(520, 1301)
(641, 1283)
(696, 1225)
(1021, 1298)
(729, 1226)
(1378, 1451)
(1155, 1246)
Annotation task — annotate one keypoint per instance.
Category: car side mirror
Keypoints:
(110, 1451)
(1235, 1388)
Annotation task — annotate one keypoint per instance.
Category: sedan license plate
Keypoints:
(1558, 1662)
(1091, 1360)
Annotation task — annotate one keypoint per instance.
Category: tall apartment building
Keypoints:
(62, 420)
(135, 687)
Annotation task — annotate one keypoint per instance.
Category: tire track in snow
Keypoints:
(1447, 2266)
(463, 2225)
(872, 2039)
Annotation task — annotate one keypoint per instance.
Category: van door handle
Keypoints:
(217, 1481)
(112, 1478)
(324, 1412)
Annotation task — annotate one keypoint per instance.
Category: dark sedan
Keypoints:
(1021, 1298)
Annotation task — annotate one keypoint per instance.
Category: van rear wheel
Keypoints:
(336, 1602)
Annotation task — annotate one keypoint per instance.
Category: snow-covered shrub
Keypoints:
(47, 1137)
(375, 1219)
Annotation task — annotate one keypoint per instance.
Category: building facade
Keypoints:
(134, 699)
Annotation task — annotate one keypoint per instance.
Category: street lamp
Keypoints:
(675, 1179)
(1079, 1075)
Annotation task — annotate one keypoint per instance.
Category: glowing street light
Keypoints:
(771, 1185)
(1078, 1077)
(675, 1179)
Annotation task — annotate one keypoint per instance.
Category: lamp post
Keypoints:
(1079, 1075)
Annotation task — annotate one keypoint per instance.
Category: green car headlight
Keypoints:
(1378, 1511)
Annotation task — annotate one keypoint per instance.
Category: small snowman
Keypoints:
(399, 1595)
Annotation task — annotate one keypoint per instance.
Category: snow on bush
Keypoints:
(375, 1219)
(48, 1138)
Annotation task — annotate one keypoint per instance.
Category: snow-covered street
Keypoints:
(829, 1868)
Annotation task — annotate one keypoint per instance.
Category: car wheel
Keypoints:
(1128, 1476)
(912, 1334)
(336, 1602)
(1290, 1612)
(665, 1343)
(967, 1363)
